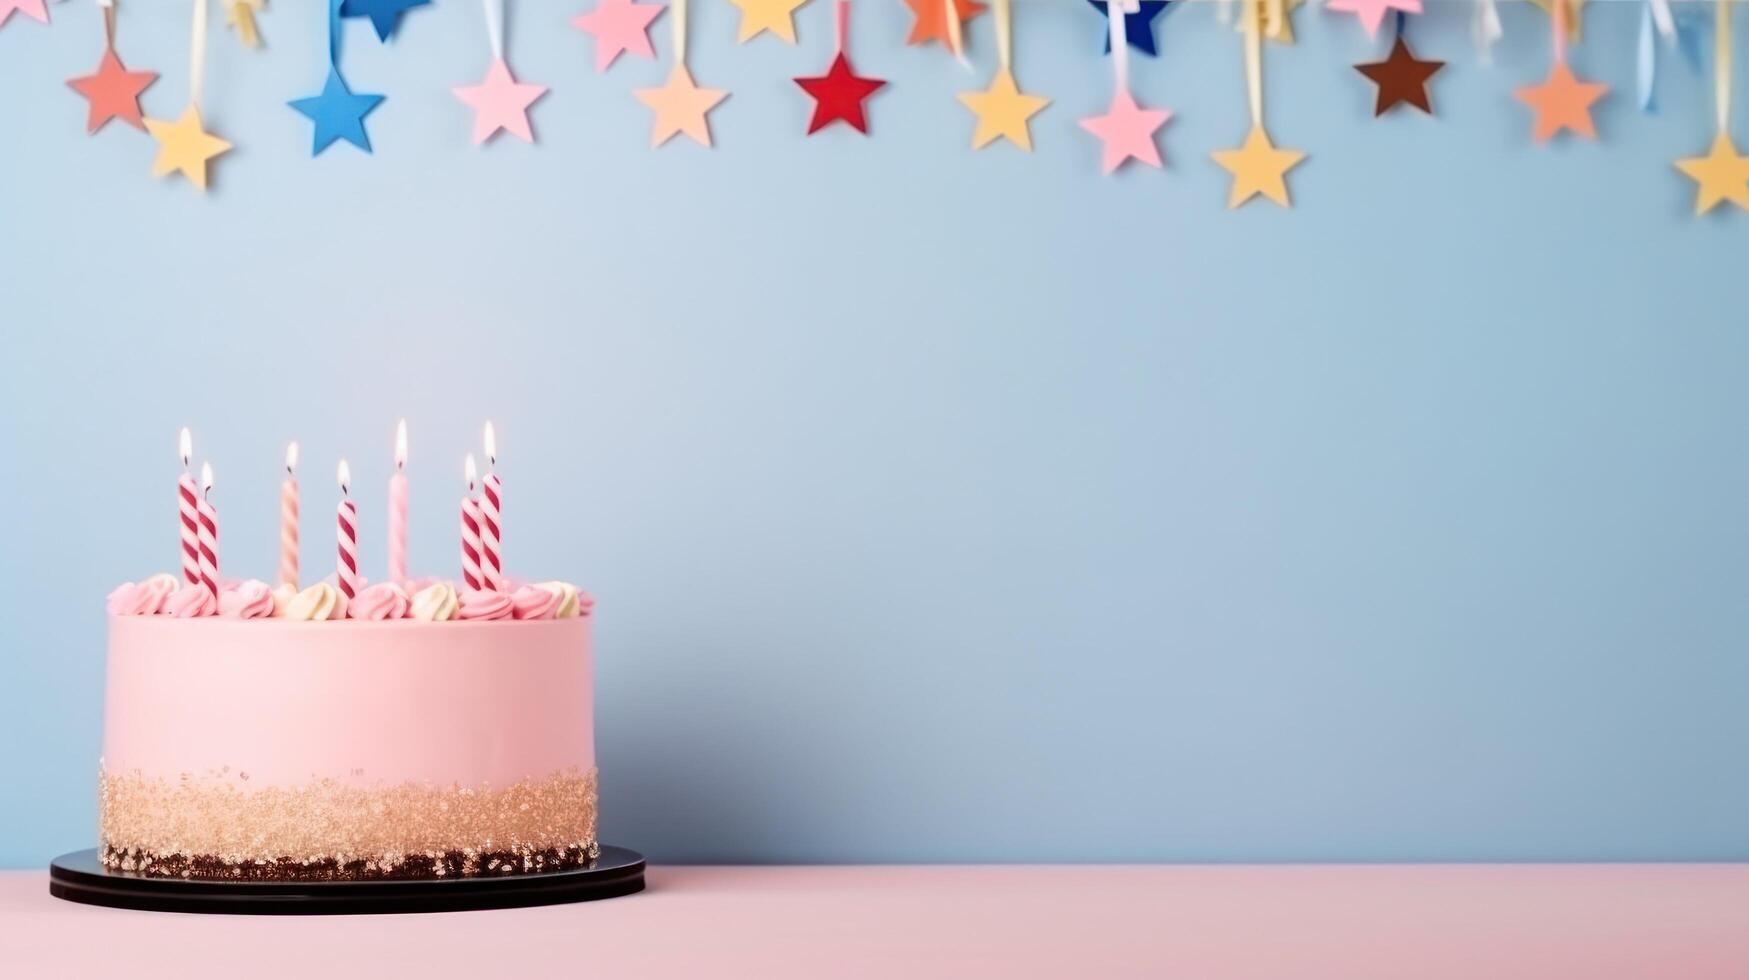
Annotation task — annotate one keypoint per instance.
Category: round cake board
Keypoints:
(80, 877)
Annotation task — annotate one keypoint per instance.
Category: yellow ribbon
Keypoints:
(1004, 36)
(677, 17)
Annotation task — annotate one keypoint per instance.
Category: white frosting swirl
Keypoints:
(435, 603)
(283, 594)
(567, 594)
(319, 601)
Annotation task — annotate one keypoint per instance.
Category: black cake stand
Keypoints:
(79, 877)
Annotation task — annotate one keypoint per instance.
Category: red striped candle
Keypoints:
(208, 537)
(346, 517)
(189, 498)
(491, 506)
(470, 529)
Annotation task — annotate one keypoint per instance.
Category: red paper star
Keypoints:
(931, 22)
(1401, 78)
(114, 92)
(839, 94)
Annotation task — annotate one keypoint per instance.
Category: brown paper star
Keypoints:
(1401, 78)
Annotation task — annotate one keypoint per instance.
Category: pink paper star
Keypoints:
(1127, 130)
(30, 8)
(618, 25)
(1372, 12)
(500, 102)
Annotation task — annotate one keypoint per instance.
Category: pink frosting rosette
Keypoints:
(384, 600)
(190, 601)
(248, 599)
(486, 604)
(534, 602)
(142, 598)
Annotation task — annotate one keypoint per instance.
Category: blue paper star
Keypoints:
(1138, 27)
(337, 113)
(384, 15)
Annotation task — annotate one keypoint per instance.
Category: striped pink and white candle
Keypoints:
(189, 502)
(470, 528)
(208, 537)
(288, 520)
(346, 517)
(491, 518)
(398, 508)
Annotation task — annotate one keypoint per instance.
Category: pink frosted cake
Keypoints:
(404, 731)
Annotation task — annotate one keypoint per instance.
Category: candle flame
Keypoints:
(345, 475)
(185, 446)
(491, 446)
(206, 478)
(470, 471)
(291, 456)
(401, 445)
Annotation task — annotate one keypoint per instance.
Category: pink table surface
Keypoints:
(1406, 922)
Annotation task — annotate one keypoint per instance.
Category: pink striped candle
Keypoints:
(470, 529)
(288, 520)
(208, 537)
(346, 517)
(491, 506)
(398, 508)
(189, 496)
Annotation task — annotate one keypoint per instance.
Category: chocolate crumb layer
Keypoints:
(404, 867)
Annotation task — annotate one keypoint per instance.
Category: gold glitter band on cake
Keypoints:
(210, 827)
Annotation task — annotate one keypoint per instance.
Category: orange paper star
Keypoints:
(931, 22)
(680, 107)
(1562, 102)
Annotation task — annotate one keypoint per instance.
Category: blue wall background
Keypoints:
(942, 506)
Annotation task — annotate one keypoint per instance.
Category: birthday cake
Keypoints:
(347, 730)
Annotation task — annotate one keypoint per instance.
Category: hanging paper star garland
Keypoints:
(1138, 23)
(499, 101)
(776, 16)
(619, 26)
(930, 21)
(680, 106)
(112, 91)
(35, 9)
(840, 93)
(385, 15)
(1002, 109)
(1723, 174)
(1257, 167)
(1126, 131)
(338, 113)
(1562, 101)
(1401, 78)
(184, 146)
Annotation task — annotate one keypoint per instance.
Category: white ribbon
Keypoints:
(677, 19)
(1120, 44)
(1486, 29)
(197, 54)
(1655, 17)
(495, 27)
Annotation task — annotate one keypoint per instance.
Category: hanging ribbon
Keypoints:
(1254, 60)
(1274, 10)
(840, 26)
(197, 54)
(1722, 67)
(1486, 28)
(1655, 20)
(1005, 37)
(955, 34)
(1120, 47)
(1558, 30)
(494, 10)
(677, 19)
(241, 15)
(108, 8)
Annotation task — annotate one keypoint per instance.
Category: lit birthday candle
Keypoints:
(208, 537)
(491, 521)
(189, 497)
(398, 508)
(346, 517)
(470, 528)
(288, 520)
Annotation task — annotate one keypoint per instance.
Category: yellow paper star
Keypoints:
(240, 14)
(680, 107)
(1284, 29)
(184, 145)
(1003, 110)
(776, 16)
(1575, 14)
(1723, 175)
(1258, 168)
